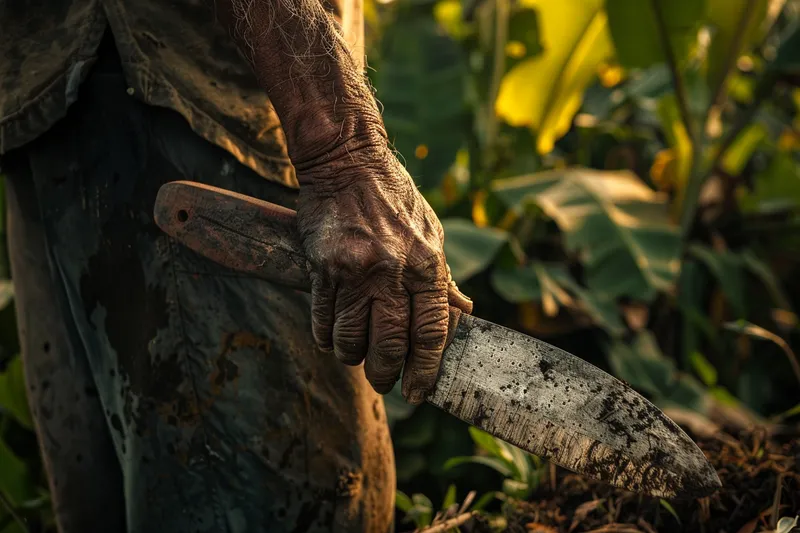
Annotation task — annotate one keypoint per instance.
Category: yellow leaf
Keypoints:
(479, 216)
(546, 91)
(515, 49)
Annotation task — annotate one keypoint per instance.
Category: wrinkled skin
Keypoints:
(381, 287)
(382, 292)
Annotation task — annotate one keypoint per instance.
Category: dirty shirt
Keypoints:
(174, 54)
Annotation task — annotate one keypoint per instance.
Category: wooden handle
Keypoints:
(242, 233)
(236, 231)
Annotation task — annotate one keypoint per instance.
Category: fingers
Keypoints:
(388, 339)
(351, 327)
(458, 299)
(430, 314)
(323, 301)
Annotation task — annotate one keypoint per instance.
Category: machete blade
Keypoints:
(559, 407)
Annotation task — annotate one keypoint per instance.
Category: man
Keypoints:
(170, 394)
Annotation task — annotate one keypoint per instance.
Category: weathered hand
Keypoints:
(382, 291)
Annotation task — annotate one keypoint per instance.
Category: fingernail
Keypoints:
(415, 397)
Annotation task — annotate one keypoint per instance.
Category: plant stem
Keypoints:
(672, 64)
(498, 69)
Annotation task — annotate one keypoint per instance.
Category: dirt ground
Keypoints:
(761, 484)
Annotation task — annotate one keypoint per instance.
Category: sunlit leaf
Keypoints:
(449, 497)
(468, 248)
(668, 506)
(636, 34)
(616, 225)
(737, 156)
(487, 443)
(421, 86)
(679, 143)
(402, 501)
(494, 463)
(704, 369)
(544, 92)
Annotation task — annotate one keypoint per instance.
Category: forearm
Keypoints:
(301, 60)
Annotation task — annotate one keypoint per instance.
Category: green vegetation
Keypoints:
(618, 177)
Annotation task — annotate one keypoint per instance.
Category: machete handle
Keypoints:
(237, 231)
(242, 233)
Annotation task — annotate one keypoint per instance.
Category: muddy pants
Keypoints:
(170, 394)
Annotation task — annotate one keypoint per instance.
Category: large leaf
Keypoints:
(421, 85)
(552, 285)
(636, 35)
(545, 92)
(617, 225)
(468, 248)
(645, 368)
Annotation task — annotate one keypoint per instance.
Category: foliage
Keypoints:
(521, 471)
(630, 170)
(623, 169)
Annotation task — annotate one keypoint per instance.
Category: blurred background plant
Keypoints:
(618, 177)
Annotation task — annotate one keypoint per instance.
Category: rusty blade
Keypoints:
(559, 407)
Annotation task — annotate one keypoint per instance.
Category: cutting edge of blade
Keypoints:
(583, 454)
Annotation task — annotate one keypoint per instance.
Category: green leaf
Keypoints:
(600, 307)
(767, 277)
(483, 501)
(724, 19)
(617, 226)
(636, 34)
(487, 443)
(728, 269)
(494, 463)
(641, 365)
(517, 285)
(666, 505)
(779, 183)
(646, 369)
(544, 92)
(13, 398)
(421, 86)
(449, 497)
(678, 140)
(468, 248)
(516, 489)
(15, 481)
(402, 501)
(742, 149)
(704, 369)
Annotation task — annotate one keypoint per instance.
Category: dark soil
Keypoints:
(761, 484)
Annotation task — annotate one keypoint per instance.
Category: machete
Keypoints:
(520, 389)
